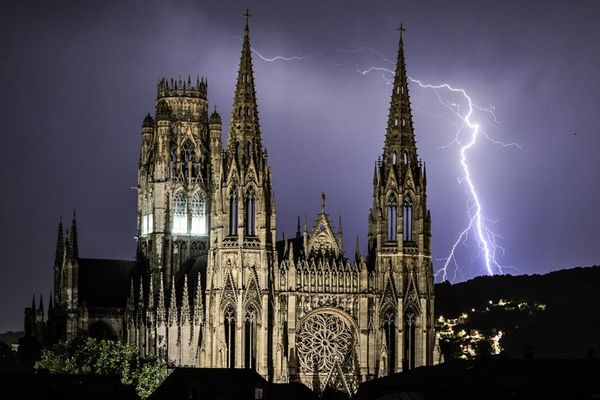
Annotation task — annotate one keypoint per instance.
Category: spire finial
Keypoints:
(401, 29)
(323, 202)
(246, 15)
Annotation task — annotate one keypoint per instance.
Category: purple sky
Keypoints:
(77, 79)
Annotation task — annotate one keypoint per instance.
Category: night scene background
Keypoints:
(77, 78)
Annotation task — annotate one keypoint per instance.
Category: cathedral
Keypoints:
(212, 287)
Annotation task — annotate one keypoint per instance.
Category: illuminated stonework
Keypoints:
(212, 287)
(323, 340)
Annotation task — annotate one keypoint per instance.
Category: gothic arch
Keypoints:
(180, 212)
(326, 339)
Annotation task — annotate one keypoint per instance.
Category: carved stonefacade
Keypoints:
(212, 288)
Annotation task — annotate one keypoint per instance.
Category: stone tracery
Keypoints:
(324, 339)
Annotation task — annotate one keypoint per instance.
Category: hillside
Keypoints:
(551, 315)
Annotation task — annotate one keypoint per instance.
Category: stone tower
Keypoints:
(400, 239)
(242, 239)
(212, 288)
(174, 179)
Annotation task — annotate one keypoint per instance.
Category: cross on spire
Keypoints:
(246, 15)
(401, 29)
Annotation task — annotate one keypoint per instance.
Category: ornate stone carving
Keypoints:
(323, 340)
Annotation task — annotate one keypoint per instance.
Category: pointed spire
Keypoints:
(33, 303)
(151, 294)
(131, 299)
(323, 202)
(74, 242)
(298, 232)
(291, 253)
(173, 305)
(357, 251)
(244, 121)
(141, 298)
(41, 308)
(60, 246)
(399, 137)
(160, 311)
(50, 304)
(185, 303)
(198, 305)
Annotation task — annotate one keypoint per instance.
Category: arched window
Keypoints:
(198, 215)
(405, 157)
(188, 157)
(250, 339)
(250, 220)
(180, 213)
(233, 213)
(229, 323)
(408, 219)
(395, 121)
(392, 216)
(147, 216)
(403, 121)
(389, 328)
(394, 158)
(248, 148)
(397, 89)
(247, 111)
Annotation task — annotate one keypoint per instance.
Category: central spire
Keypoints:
(244, 114)
(400, 137)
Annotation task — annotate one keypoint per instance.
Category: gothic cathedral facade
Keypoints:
(211, 286)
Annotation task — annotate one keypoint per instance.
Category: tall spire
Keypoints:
(60, 246)
(185, 303)
(400, 138)
(244, 114)
(74, 242)
(198, 306)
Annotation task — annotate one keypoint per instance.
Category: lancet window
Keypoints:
(180, 218)
(392, 216)
(198, 214)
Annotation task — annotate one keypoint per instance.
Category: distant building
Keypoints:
(211, 287)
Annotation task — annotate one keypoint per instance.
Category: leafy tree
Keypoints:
(91, 356)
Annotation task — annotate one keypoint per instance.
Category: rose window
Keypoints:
(322, 340)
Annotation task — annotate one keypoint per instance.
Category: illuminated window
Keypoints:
(408, 219)
(229, 324)
(403, 122)
(394, 158)
(405, 157)
(391, 218)
(198, 215)
(250, 220)
(395, 121)
(180, 213)
(147, 224)
(233, 213)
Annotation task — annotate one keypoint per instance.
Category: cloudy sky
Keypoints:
(77, 78)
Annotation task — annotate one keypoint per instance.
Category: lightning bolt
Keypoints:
(478, 225)
(279, 58)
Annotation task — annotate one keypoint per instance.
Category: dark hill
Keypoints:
(555, 315)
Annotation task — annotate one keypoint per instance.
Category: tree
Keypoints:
(90, 356)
